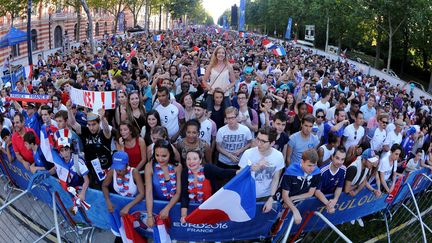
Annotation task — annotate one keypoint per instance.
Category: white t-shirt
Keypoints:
(331, 113)
(320, 105)
(264, 176)
(169, 118)
(392, 138)
(378, 139)
(384, 166)
(353, 136)
(208, 130)
(232, 140)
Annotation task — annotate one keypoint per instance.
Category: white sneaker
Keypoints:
(360, 222)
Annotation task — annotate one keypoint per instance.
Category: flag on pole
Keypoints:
(124, 227)
(234, 202)
(268, 44)
(279, 51)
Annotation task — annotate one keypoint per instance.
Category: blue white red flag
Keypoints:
(20, 96)
(160, 234)
(268, 44)
(243, 35)
(124, 227)
(217, 30)
(52, 156)
(279, 51)
(158, 37)
(250, 41)
(234, 202)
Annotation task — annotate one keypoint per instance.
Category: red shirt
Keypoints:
(19, 148)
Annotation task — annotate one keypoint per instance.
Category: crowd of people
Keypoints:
(197, 107)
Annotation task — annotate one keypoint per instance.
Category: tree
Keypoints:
(15, 8)
(114, 7)
(76, 4)
(135, 7)
(90, 22)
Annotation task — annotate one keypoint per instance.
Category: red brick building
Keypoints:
(51, 23)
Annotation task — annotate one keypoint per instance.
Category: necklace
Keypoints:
(199, 195)
(162, 182)
(123, 183)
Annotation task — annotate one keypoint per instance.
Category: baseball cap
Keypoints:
(411, 131)
(369, 155)
(92, 116)
(63, 142)
(31, 104)
(120, 160)
(201, 104)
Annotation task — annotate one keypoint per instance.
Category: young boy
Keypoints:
(279, 122)
(414, 163)
(300, 181)
(40, 162)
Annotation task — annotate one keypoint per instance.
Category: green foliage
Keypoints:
(15, 8)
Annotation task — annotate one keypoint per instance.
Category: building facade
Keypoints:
(54, 26)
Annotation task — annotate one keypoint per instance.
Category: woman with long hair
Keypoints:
(266, 111)
(160, 133)
(187, 103)
(199, 181)
(134, 145)
(256, 95)
(121, 109)
(162, 180)
(136, 112)
(220, 73)
(218, 110)
(153, 120)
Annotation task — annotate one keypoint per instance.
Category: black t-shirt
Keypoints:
(351, 173)
(281, 141)
(297, 185)
(218, 117)
(96, 146)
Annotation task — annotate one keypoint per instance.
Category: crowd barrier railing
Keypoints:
(348, 209)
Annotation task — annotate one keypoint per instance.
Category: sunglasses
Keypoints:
(384, 122)
(320, 117)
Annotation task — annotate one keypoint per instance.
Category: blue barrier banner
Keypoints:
(15, 76)
(348, 208)
(242, 15)
(288, 29)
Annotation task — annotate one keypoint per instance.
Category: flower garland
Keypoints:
(123, 183)
(162, 183)
(199, 196)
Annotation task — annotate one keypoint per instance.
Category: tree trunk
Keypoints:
(115, 23)
(405, 50)
(77, 37)
(145, 15)
(90, 22)
(135, 19)
(327, 32)
(160, 17)
(430, 83)
(390, 37)
(166, 19)
(339, 45)
(378, 48)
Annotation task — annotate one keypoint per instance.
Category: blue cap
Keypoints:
(120, 160)
(411, 131)
(369, 155)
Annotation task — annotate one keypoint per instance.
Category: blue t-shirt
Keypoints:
(329, 181)
(34, 122)
(327, 128)
(367, 113)
(299, 144)
(147, 92)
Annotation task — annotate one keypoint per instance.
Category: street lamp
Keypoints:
(29, 48)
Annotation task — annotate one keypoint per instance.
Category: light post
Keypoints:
(29, 47)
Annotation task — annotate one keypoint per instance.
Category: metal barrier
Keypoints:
(24, 218)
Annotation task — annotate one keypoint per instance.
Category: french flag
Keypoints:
(250, 41)
(243, 35)
(217, 30)
(158, 37)
(234, 202)
(268, 44)
(52, 156)
(160, 234)
(279, 51)
(124, 227)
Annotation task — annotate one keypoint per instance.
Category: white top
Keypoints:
(264, 176)
(385, 166)
(320, 105)
(208, 130)
(353, 136)
(129, 188)
(378, 139)
(392, 138)
(169, 118)
(220, 81)
(327, 152)
(232, 140)
(331, 113)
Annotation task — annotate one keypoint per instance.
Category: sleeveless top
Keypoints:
(125, 186)
(183, 149)
(157, 191)
(358, 164)
(134, 154)
(327, 152)
(220, 82)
